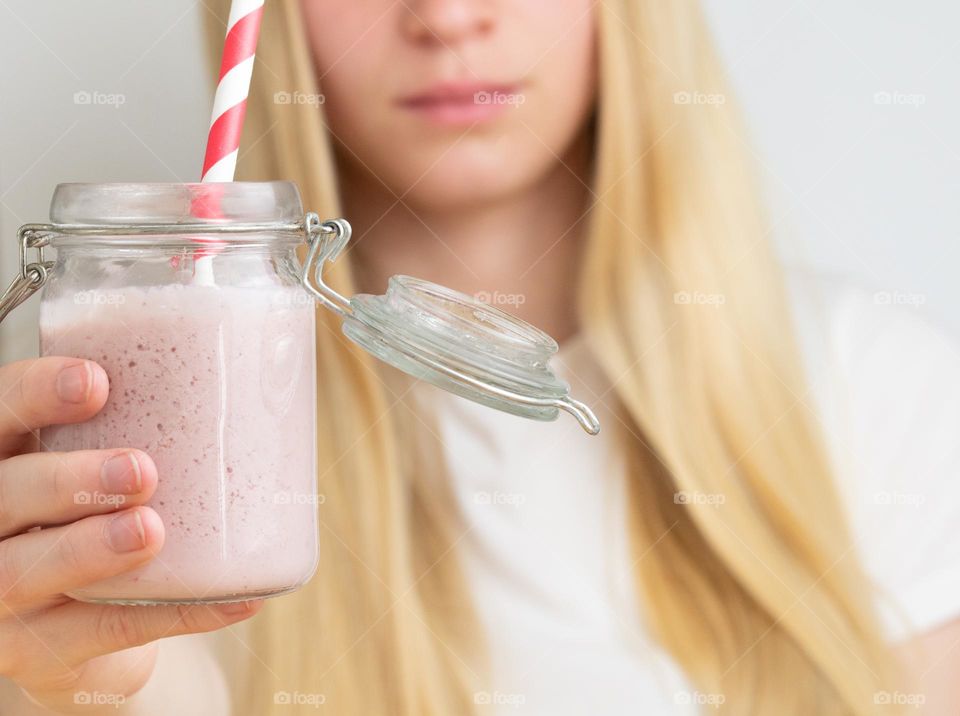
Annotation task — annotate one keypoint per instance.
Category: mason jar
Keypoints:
(208, 342)
(194, 301)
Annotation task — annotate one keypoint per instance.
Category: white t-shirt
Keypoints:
(546, 552)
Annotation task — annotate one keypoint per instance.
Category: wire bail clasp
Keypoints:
(326, 240)
(33, 274)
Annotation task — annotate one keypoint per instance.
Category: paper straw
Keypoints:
(229, 110)
(230, 102)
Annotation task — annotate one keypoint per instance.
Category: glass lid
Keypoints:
(447, 338)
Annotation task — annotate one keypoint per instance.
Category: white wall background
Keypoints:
(856, 185)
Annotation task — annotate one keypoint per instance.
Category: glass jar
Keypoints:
(193, 300)
(215, 380)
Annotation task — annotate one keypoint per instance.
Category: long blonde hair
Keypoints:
(761, 599)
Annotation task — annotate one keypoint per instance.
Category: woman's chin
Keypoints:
(461, 190)
(458, 182)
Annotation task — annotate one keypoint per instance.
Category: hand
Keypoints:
(62, 652)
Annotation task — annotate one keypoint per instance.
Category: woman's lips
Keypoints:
(462, 103)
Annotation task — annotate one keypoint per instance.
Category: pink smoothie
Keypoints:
(218, 386)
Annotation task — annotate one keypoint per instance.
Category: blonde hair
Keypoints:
(761, 600)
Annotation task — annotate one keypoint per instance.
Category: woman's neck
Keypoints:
(519, 253)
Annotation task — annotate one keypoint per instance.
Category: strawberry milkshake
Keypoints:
(217, 385)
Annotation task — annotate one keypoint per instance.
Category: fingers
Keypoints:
(58, 488)
(47, 391)
(36, 568)
(76, 631)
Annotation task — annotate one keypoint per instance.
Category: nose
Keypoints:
(447, 22)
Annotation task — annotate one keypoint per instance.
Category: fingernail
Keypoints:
(126, 532)
(120, 475)
(74, 383)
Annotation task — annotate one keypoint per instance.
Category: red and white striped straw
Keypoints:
(230, 102)
(226, 120)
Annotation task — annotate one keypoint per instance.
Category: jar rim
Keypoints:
(190, 205)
